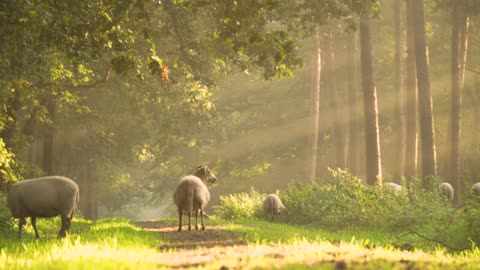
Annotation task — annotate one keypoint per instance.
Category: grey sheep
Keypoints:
(476, 189)
(272, 205)
(44, 197)
(447, 190)
(192, 195)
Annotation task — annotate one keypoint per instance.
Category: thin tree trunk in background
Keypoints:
(411, 148)
(48, 138)
(459, 54)
(315, 95)
(427, 132)
(335, 111)
(399, 170)
(353, 131)
(372, 136)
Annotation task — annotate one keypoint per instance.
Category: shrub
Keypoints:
(6, 220)
(241, 206)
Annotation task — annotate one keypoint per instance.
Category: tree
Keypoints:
(399, 170)
(427, 132)
(460, 23)
(336, 117)
(372, 135)
(315, 97)
(353, 110)
(411, 139)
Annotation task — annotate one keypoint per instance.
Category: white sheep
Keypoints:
(476, 188)
(44, 197)
(192, 195)
(447, 190)
(393, 187)
(272, 205)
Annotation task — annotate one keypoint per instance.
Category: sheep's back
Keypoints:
(191, 186)
(43, 197)
(272, 202)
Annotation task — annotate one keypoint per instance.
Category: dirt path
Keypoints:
(219, 248)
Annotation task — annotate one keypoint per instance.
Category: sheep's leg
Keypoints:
(196, 220)
(65, 225)
(201, 216)
(34, 225)
(180, 214)
(21, 222)
(189, 218)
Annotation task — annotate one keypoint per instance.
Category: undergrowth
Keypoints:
(343, 202)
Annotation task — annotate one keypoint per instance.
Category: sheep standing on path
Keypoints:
(192, 195)
(447, 190)
(272, 205)
(43, 197)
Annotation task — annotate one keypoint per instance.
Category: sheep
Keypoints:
(192, 194)
(43, 197)
(476, 189)
(393, 187)
(447, 190)
(272, 205)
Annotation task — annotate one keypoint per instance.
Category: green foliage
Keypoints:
(344, 202)
(6, 222)
(241, 206)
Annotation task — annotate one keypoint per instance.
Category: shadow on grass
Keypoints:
(213, 236)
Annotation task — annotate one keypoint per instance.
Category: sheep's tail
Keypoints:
(75, 208)
(190, 194)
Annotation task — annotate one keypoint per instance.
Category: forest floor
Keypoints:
(222, 246)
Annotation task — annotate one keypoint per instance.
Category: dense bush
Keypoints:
(6, 221)
(345, 202)
(241, 206)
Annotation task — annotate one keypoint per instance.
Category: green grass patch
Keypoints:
(106, 244)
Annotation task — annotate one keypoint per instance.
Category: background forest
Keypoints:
(126, 97)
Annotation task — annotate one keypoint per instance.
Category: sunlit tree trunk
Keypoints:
(315, 96)
(459, 54)
(411, 148)
(353, 110)
(372, 136)
(399, 170)
(425, 104)
(337, 119)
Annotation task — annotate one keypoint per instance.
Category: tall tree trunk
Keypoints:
(459, 54)
(372, 135)
(411, 154)
(353, 111)
(399, 170)
(315, 95)
(335, 111)
(427, 132)
(48, 158)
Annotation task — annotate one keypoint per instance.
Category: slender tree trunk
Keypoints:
(427, 132)
(353, 110)
(335, 111)
(399, 171)
(411, 154)
(372, 135)
(315, 95)
(459, 54)
(48, 139)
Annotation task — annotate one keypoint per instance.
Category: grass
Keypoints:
(119, 244)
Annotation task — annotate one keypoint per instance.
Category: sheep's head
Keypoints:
(204, 173)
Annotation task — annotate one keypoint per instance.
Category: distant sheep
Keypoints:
(44, 197)
(476, 189)
(393, 187)
(447, 190)
(192, 195)
(272, 205)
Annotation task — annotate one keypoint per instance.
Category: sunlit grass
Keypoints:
(119, 244)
